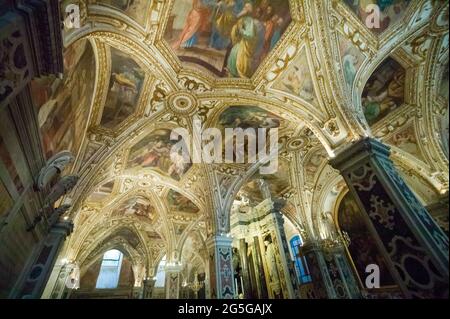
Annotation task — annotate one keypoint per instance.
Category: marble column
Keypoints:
(321, 281)
(347, 274)
(414, 246)
(147, 288)
(288, 276)
(39, 272)
(220, 267)
(245, 268)
(173, 281)
(344, 282)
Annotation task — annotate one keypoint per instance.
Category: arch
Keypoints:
(188, 232)
(126, 250)
(118, 236)
(93, 224)
(385, 48)
(107, 151)
(436, 67)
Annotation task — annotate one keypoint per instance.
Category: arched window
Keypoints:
(300, 261)
(108, 278)
(161, 274)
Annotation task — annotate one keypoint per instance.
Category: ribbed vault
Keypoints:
(317, 83)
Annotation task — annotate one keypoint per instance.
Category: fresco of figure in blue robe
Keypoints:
(228, 38)
(391, 11)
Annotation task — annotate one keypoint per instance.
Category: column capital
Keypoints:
(331, 245)
(361, 149)
(311, 246)
(221, 240)
(322, 245)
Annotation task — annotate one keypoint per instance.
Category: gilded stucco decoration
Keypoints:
(316, 82)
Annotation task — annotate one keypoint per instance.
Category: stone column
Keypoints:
(147, 288)
(322, 284)
(173, 281)
(220, 267)
(245, 269)
(39, 272)
(415, 248)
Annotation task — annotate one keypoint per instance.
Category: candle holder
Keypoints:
(196, 285)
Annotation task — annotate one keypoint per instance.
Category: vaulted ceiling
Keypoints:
(135, 70)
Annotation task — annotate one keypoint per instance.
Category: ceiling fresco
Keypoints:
(126, 234)
(138, 207)
(180, 203)
(391, 11)
(352, 59)
(227, 38)
(278, 184)
(102, 192)
(312, 164)
(297, 79)
(132, 8)
(384, 91)
(63, 104)
(125, 85)
(306, 68)
(154, 151)
(249, 117)
(405, 139)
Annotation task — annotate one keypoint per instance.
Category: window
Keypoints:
(161, 274)
(300, 261)
(108, 278)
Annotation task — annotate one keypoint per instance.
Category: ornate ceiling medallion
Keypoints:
(296, 144)
(182, 103)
